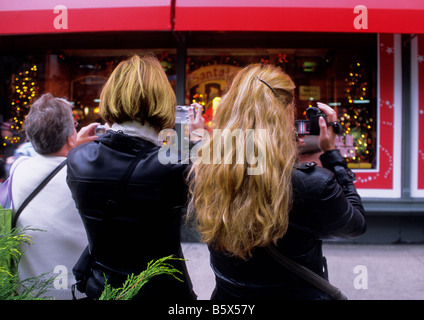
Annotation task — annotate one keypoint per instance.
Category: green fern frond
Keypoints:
(134, 283)
(11, 288)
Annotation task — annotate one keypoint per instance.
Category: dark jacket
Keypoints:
(146, 224)
(326, 205)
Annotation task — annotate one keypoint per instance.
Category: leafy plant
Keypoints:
(9, 250)
(11, 288)
(34, 288)
(134, 283)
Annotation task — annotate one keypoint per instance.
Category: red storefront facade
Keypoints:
(198, 39)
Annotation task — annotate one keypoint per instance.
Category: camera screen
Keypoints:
(302, 127)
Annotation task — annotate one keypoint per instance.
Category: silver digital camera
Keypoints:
(100, 129)
(181, 114)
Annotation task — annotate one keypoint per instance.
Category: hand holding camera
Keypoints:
(100, 129)
(195, 115)
(311, 126)
(87, 134)
(327, 135)
(322, 122)
(187, 120)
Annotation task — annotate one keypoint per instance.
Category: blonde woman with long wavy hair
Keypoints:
(289, 205)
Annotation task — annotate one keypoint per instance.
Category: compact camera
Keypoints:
(181, 114)
(311, 126)
(182, 127)
(100, 129)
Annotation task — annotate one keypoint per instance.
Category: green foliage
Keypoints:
(11, 288)
(34, 288)
(134, 283)
(9, 250)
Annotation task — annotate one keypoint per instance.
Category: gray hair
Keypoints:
(49, 124)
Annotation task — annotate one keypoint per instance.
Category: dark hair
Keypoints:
(49, 124)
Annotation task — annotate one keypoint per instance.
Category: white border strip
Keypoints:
(415, 192)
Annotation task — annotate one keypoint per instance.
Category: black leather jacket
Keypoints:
(146, 225)
(326, 205)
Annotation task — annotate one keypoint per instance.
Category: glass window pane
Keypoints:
(344, 78)
(77, 75)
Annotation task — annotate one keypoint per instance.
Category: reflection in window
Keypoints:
(343, 78)
(24, 89)
(77, 75)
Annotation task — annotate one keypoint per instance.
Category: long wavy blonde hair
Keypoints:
(234, 211)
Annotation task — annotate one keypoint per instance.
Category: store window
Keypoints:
(81, 74)
(77, 75)
(343, 78)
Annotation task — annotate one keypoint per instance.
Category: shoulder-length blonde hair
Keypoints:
(139, 90)
(233, 211)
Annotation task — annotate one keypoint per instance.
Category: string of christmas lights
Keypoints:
(24, 90)
(357, 120)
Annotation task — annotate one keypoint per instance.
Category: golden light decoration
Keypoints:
(357, 120)
(24, 93)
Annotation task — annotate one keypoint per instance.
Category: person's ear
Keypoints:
(71, 141)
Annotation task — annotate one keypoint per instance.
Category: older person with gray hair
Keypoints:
(50, 127)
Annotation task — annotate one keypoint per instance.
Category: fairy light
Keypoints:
(25, 89)
(357, 122)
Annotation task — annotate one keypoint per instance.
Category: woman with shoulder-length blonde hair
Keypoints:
(286, 204)
(132, 224)
(138, 90)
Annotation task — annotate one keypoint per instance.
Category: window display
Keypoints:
(342, 78)
(76, 75)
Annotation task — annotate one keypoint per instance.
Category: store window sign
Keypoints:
(211, 73)
(206, 85)
(309, 93)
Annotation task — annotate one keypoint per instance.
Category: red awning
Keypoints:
(38, 16)
(383, 16)
(380, 16)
